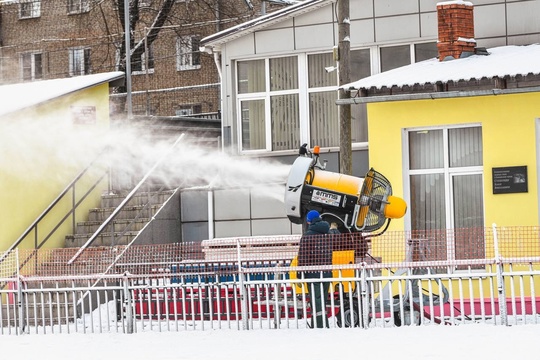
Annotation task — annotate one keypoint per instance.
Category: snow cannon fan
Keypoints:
(377, 206)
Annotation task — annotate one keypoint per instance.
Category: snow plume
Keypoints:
(35, 146)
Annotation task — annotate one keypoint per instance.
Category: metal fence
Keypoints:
(398, 279)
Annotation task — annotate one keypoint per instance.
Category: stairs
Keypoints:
(126, 225)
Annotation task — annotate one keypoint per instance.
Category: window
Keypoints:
(29, 9)
(269, 102)
(395, 56)
(141, 63)
(283, 102)
(32, 66)
(188, 56)
(425, 51)
(446, 188)
(79, 62)
(78, 6)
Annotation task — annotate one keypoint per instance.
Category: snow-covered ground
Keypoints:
(425, 342)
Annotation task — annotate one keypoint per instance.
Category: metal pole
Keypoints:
(501, 289)
(243, 293)
(128, 58)
(146, 64)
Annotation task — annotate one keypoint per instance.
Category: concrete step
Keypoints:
(104, 239)
(113, 200)
(89, 227)
(128, 212)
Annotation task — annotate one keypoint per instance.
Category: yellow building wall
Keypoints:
(42, 150)
(508, 132)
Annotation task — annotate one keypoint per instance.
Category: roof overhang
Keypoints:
(16, 97)
(435, 95)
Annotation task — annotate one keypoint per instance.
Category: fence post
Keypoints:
(21, 306)
(500, 279)
(128, 303)
(243, 294)
(365, 296)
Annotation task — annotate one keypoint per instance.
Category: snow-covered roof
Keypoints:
(15, 97)
(262, 22)
(504, 61)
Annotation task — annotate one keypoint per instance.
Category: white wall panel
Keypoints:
(315, 37)
(231, 204)
(393, 7)
(523, 18)
(271, 227)
(362, 32)
(428, 25)
(241, 46)
(265, 203)
(360, 9)
(397, 28)
(428, 5)
(274, 41)
(232, 228)
(489, 21)
(319, 16)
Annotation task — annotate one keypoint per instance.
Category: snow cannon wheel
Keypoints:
(351, 317)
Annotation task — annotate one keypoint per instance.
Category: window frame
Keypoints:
(78, 6)
(151, 63)
(447, 171)
(34, 9)
(33, 72)
(184, 43)
(84, 61)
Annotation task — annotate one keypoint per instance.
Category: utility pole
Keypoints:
(344, 48)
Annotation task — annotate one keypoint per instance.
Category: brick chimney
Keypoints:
(456, 29)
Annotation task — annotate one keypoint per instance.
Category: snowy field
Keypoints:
(426, 342)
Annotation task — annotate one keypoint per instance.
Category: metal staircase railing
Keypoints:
(119, 208)
(70, 189)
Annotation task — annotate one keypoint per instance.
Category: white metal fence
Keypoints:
(247, 292)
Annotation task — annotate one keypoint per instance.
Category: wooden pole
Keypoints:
(344, 48)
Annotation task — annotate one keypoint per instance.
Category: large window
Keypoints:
(269, 104)
(79, 61)
(446, 187)
(29, 9)
(188, 56)
(284, 102)
(32, 66)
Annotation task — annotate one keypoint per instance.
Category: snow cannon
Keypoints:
(363, 205)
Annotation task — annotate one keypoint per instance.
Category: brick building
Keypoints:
(170, 77)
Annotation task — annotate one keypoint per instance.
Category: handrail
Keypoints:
(69, 187)
(123, 203)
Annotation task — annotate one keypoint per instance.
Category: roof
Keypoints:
(262, 22)
(23, 95)
(504, 61)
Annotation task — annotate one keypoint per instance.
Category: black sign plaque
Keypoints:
(512, 179)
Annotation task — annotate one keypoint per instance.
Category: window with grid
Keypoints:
(269, 101)
(446, 190)
(188, 56)
(79, 61)
(78, 6)
(29, 9)
(32, 66)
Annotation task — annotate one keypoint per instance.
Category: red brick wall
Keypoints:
(455, 28)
